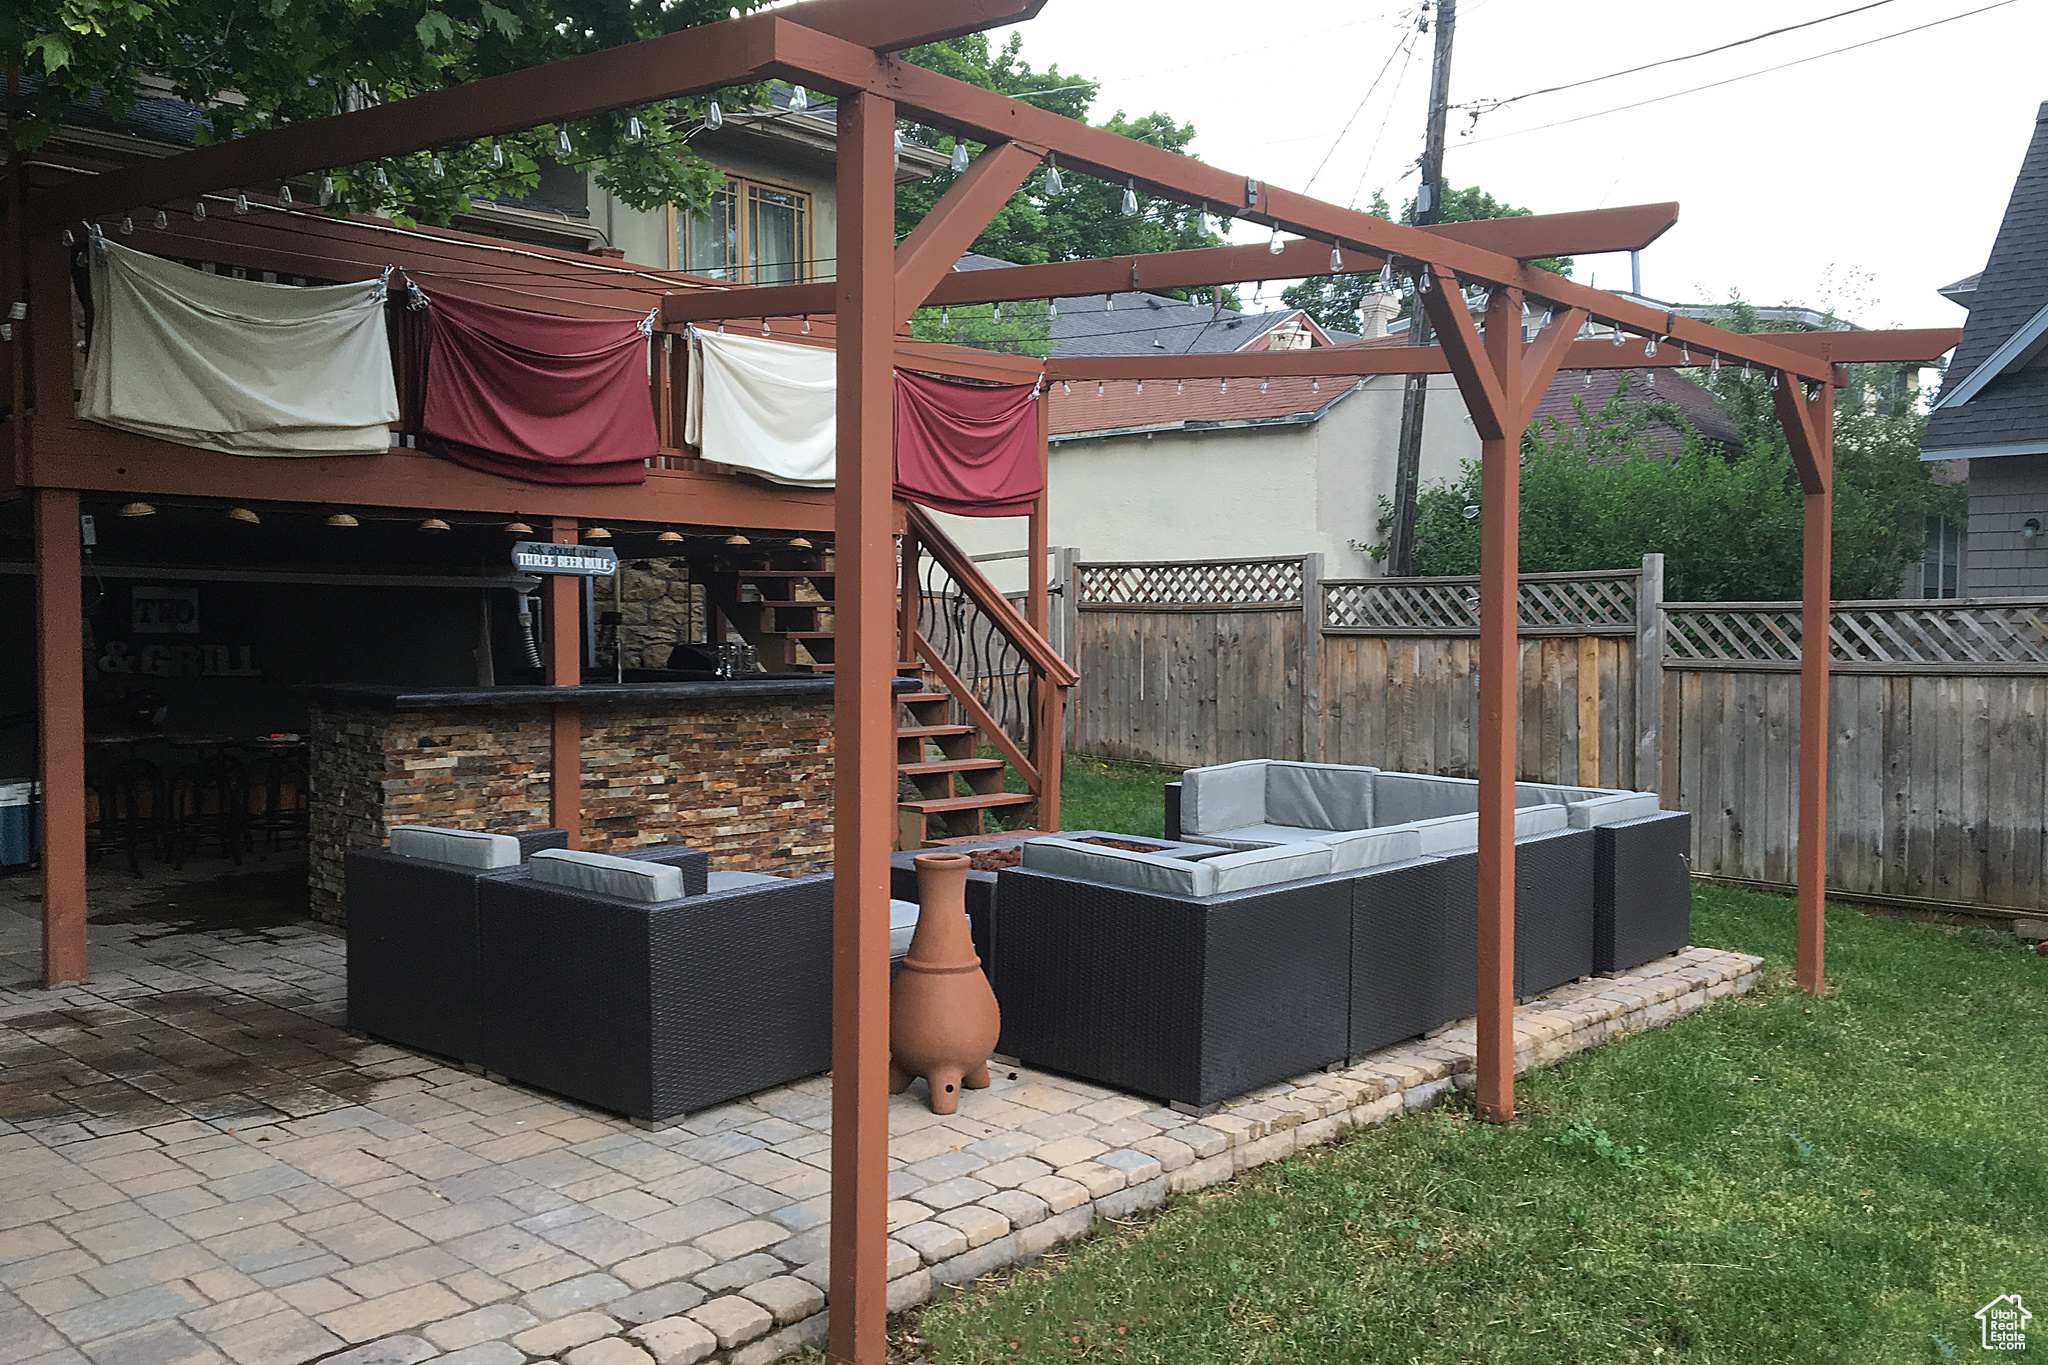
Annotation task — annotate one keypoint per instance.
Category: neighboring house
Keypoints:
(1993, 408)
(774, 222)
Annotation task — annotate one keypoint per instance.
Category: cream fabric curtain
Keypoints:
(768, 407)
(237, 366)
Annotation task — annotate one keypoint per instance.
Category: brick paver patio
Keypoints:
(198, 1164)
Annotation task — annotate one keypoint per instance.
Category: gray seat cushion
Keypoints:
(603, 874)
(1257, 867)
(732, 881)
(1353, 849)
(462, 847)
(1256, 836)
(902, 924)
(1612, 809)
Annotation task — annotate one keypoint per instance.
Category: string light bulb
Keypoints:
(1098, 388)
(137, 509)
(899, 148)
(799, 99)
(1684, 354)
(327, 185)
(1131, 198)
(1336, 259)
(563, 146)
(807, 324)
(764, 327)
(1548, 314)
(1053, 183)
(284, 195)
(1774, 381)
(959, 162)
(127, 225)
(435, 170)
(1141, 387)
(1315, 386)
(198, 210)
(997, 314)
(802, 543)
(597, 533)
(635, 131)
(736, 538)
(1109, 303)
(379, 179)
(342, 521)
(1617, 334)
(497, 157)
(433, 524)
(1387, 275)
(241, 202)
(1275, 246)
(244, 515)
(1066, 388)
(516, 527)
(1714, 369)
(1179, 387)
(1223, 386)
(1422, 281)
(1265, 384)
(1649, 347)
(714, 117)
(670, 538)
(1202, 220)
(161, 221)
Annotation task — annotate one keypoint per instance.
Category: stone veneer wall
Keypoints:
(747, 780)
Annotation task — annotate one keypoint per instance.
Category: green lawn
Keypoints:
(1777, 1179)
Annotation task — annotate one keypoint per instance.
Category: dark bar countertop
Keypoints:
(422, 698)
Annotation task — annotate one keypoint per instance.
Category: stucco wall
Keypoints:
(2005, 493)
(1242, 492)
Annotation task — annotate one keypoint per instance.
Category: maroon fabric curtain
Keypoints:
(967, 448)
(534, 397)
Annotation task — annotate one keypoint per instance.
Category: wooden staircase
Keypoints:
(954, 753)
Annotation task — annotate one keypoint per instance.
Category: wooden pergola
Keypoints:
(842, 48)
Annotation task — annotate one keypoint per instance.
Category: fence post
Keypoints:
(1312, 658)
(1064, 557)
(1650, 676)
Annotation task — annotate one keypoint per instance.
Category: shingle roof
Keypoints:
(2013, 408)
(1698, 407)
(1130, 322)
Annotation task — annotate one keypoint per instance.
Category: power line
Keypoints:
(1715, 85)
(1345, 131)
(1394, 98)
(1478, 107)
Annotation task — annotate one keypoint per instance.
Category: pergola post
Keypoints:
(1810, 430)
(1501, 381)
(1048, 722)
(60, 732)
(864, 743)
(563, 605)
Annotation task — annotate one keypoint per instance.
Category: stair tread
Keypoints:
(902, 666)
(780, 573)
(979, 801)
(932, 731)
(909, 698)
(802, 634)
(951, 765)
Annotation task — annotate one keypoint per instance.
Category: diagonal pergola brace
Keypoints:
(937, 243)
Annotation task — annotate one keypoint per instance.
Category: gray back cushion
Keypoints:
(1121, 867)
(1539, 820)
(1222, 797)
(1318, 795)
(1256, 867)
(1398, 798)
(462, 847)
(733, 881)
(1542, 793)
(1353, 849)
(1612, 809)
(602, 874)
(1446, 833)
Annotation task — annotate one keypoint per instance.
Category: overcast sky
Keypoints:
(1859, 181)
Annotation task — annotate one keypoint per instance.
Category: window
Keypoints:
(755, 233)
(1939, 576)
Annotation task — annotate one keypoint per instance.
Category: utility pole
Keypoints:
(1429, 208)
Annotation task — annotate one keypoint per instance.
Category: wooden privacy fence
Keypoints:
(1937, 765)
(1938, 768)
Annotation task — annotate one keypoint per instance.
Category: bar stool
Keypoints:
(277, 790)
(209, 800)
(132, 803)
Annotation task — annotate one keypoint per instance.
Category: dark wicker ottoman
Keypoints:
(1642, 890)
(412, 946)
(1188, 999)
(656, 1010)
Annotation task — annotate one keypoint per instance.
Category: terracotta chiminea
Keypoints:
(943, 1018)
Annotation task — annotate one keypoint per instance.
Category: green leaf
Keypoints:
(54, 47)
(503, 20)
(434, 26)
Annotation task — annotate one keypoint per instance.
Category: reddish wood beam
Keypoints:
(691, 61)
(1466, 356)
(1810, 443)
(864, 733)
(754, 301)
(942, 236)
(563, 600)
(1816, 617)
(987, 117)
(60, 733)
(1544, 357)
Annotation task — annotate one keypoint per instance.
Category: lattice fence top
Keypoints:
(1212, 583)
(1551, 604)
(1999, 634)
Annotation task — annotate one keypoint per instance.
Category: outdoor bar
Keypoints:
(382, 738)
